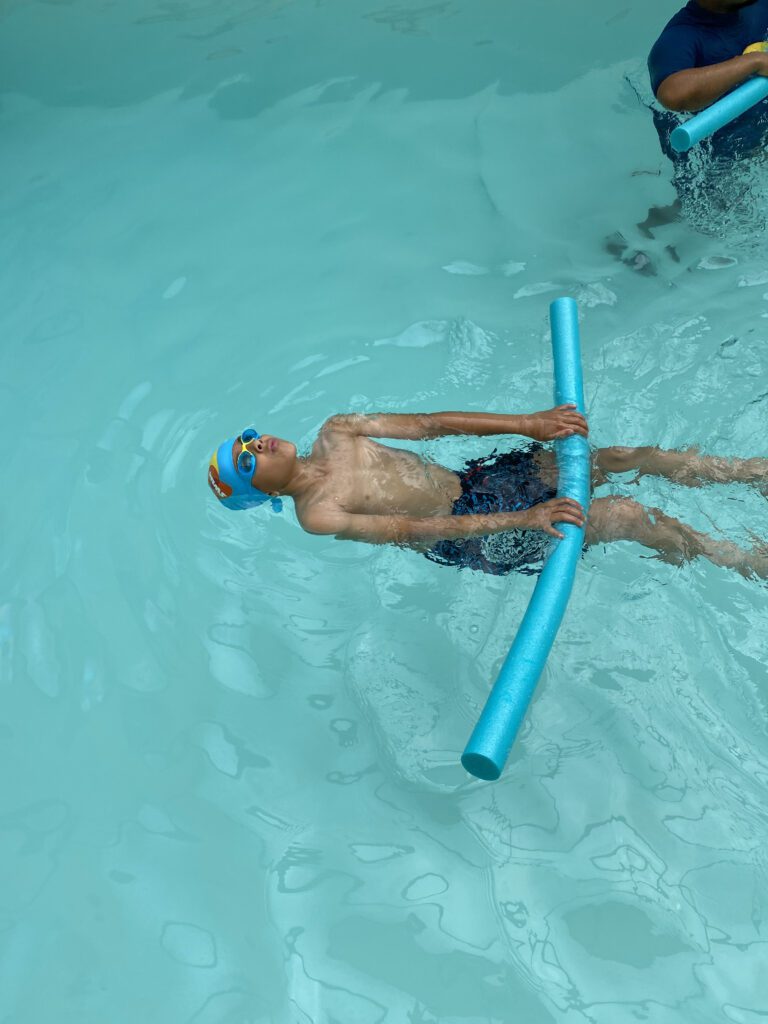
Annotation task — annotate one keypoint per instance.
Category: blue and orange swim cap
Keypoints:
(232, 486)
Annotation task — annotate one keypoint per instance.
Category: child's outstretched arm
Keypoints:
(562, 421)
(410, 530)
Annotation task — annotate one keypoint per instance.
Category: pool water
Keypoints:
(230, 750)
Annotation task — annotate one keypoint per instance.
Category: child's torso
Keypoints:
(367, 478)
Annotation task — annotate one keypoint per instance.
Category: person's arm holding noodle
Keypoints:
(549, 425)
(409, 530)
(693, 89)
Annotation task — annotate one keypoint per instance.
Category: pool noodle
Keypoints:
(719, 114)
(490, 743)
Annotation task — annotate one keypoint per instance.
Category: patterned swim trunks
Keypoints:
(498, 483)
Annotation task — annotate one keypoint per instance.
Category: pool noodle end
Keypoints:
(719, 114)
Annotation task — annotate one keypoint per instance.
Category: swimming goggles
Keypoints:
(246, 460)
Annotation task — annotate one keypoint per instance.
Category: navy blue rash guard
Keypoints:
(696, 38)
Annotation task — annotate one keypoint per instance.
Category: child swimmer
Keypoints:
(356, 489)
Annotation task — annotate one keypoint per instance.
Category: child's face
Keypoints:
(275, 461)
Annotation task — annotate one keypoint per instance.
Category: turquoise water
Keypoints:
(230, 749)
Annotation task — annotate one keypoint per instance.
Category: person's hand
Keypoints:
(758, 55)
(563, 421)
(556, 510)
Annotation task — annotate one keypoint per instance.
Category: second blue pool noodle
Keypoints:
(489, 745)
(723, 111)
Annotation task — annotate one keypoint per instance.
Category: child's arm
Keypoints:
(563, 421)
(397, 529)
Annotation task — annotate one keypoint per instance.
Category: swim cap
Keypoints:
(232, 486)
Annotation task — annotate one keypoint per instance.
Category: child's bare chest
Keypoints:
(367, 478)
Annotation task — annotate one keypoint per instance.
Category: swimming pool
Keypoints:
(231, 749)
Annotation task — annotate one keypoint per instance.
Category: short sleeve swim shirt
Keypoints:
(696, 38)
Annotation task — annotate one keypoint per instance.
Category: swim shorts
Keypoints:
(505, 483)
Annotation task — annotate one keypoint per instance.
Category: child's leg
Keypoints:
(684, 467)
(623, 519)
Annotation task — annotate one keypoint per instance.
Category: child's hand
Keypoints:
(557, 510)
(563, 421)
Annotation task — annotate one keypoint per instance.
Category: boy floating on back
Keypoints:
(354, 488)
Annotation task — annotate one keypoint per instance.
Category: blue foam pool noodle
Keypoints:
(490, 743)
(724, 110)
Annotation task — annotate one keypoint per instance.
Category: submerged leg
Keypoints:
(684, 467)
(613, 519)
(658, 216)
